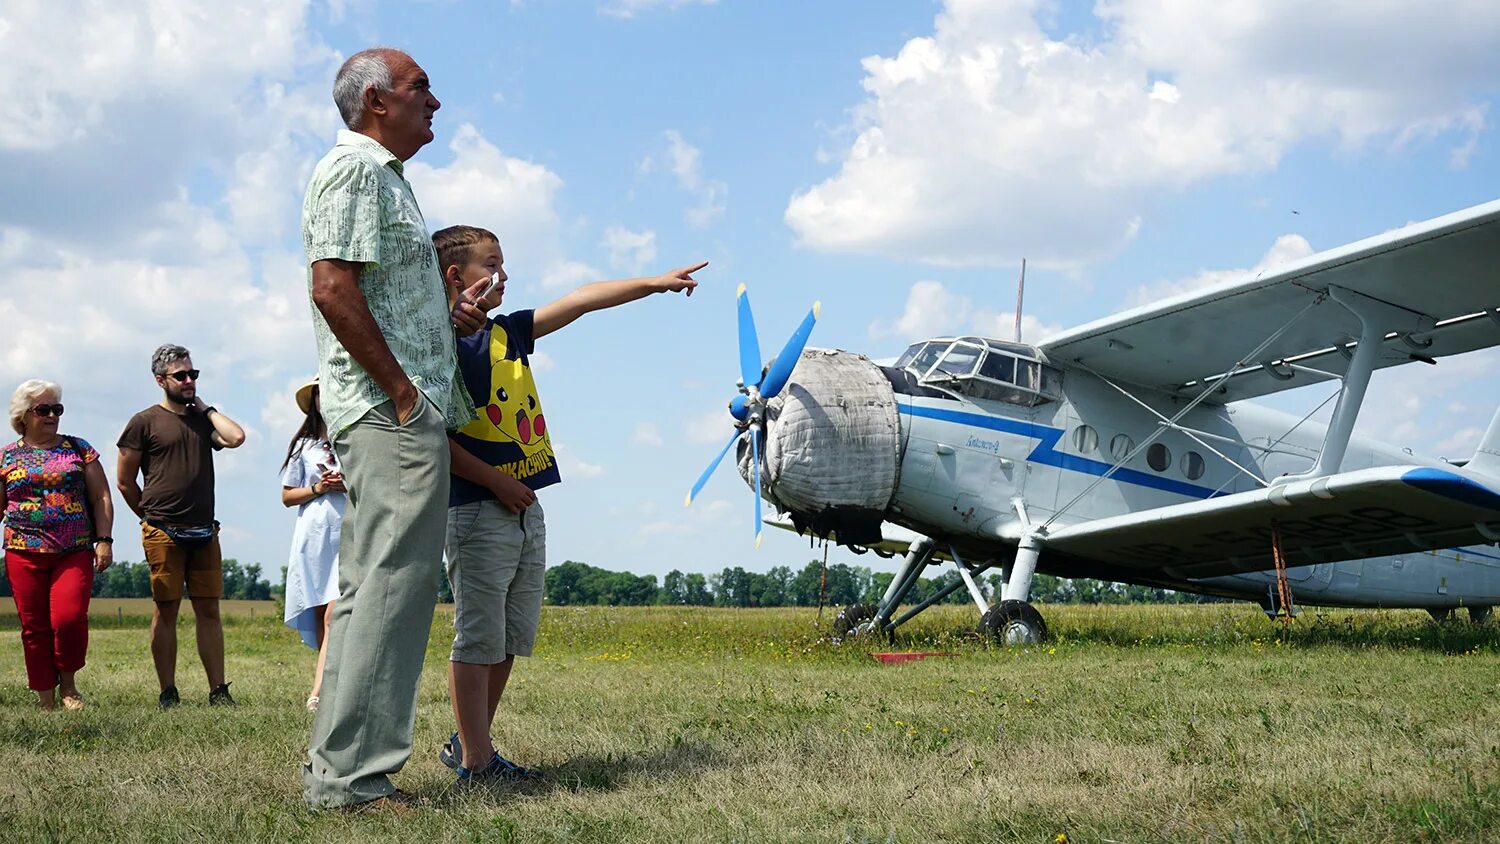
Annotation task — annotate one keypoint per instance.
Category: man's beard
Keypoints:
(178, 393)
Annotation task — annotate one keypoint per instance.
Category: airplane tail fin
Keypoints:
(1487, 457)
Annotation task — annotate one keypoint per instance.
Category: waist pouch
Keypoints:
(189, 538)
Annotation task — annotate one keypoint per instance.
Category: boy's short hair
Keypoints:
(457, 244)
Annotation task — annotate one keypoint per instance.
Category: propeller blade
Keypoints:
(781, 368)
(749, 343)
(707, 473)
(755, 452)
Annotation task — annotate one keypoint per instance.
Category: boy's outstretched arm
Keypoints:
(607, 294)
(515, 495)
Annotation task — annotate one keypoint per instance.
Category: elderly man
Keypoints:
(388, 368)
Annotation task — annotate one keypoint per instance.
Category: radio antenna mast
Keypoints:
(1020, 296)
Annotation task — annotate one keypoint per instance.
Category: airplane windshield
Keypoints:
(926, 358)
(984, 369)
(960, 360)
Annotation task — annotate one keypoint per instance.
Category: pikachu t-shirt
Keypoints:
(510, 431)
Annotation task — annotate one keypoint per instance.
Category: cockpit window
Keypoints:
(960, 360)
(926, 358)
(908, 355)
(985, 369)
(999, 367)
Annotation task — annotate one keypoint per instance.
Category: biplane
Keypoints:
(1129, 449)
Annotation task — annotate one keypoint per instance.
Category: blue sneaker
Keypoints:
(498, 768)
(452, 753)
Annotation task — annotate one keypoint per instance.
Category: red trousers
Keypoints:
(52, 599)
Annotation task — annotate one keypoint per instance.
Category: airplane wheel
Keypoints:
(851, 621)
(1442, 615)
(1013, 623)
(1480, 615)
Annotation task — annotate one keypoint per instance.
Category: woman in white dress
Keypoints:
(311, 482)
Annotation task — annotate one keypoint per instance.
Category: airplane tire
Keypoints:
(1442, 615)
(1480, 615)
(849, 619)
(1013, 623)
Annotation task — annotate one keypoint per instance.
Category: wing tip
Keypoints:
(817, 309)
(739, 291)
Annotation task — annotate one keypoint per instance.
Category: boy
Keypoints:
(496, 541)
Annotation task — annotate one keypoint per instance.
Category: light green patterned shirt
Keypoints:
(360, 208)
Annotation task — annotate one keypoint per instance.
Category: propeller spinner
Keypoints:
(756, 387)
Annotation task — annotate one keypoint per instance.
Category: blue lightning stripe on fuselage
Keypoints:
(1046, 452)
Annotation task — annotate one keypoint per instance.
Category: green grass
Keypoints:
(1196, 723)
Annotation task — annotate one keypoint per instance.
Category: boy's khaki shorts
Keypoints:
(201, 568)
(496, 564)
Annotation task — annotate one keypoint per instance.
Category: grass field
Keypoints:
(1180, 723)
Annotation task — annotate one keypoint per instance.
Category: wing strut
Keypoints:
(1375, 317)
(1188, 408)
(1193, 435)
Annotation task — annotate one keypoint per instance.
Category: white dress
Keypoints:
(312, 569)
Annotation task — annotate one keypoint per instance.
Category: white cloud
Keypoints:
(647, 434)
(1287, 248)
(573, 466)
(629, 251)
(567, 274)
(932, 310)
(542, 362)
(626, 9)
(511, 197)
(687, 166)
(710, 426)
(989, 139)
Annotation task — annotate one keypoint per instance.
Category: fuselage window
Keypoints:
(1085, 440)
(1192, 465)
(1121, 446)
(1159, 457)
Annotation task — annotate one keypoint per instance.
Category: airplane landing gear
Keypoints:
(850, 620)
(1442, 615)
(1480, 615)
(1013, 623)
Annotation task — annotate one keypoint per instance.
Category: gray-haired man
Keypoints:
(388, 365)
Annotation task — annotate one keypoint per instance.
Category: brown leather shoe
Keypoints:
(398, 802)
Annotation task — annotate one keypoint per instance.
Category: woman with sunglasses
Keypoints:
(311, 482)
(58, 515)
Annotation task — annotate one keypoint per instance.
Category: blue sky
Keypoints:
(892, 159)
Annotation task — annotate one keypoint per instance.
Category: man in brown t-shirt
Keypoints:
(171, 445)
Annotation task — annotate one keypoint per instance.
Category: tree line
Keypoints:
(574, 583)
(133, 580)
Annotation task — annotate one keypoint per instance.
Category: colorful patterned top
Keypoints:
(45, 500)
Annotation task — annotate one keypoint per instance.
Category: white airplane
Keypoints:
(1125, 450)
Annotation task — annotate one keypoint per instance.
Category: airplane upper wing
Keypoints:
(1444, 271)
(1366, 513)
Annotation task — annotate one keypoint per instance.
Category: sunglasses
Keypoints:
(184, 375)
(48, 410)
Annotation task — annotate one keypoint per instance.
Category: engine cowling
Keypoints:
(832, 455)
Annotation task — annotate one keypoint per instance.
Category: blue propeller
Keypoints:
(756, 387)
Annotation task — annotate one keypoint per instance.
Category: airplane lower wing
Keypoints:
(1367, 513)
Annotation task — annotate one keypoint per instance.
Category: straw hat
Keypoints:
(304, 394)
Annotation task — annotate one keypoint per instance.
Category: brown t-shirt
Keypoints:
(177, 463)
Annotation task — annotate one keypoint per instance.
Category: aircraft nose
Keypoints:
(833, 446)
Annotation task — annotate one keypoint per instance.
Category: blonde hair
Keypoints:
(25, 396)
(457, 244)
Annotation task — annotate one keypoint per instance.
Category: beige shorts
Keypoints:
(200, 569)
(496, 564)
